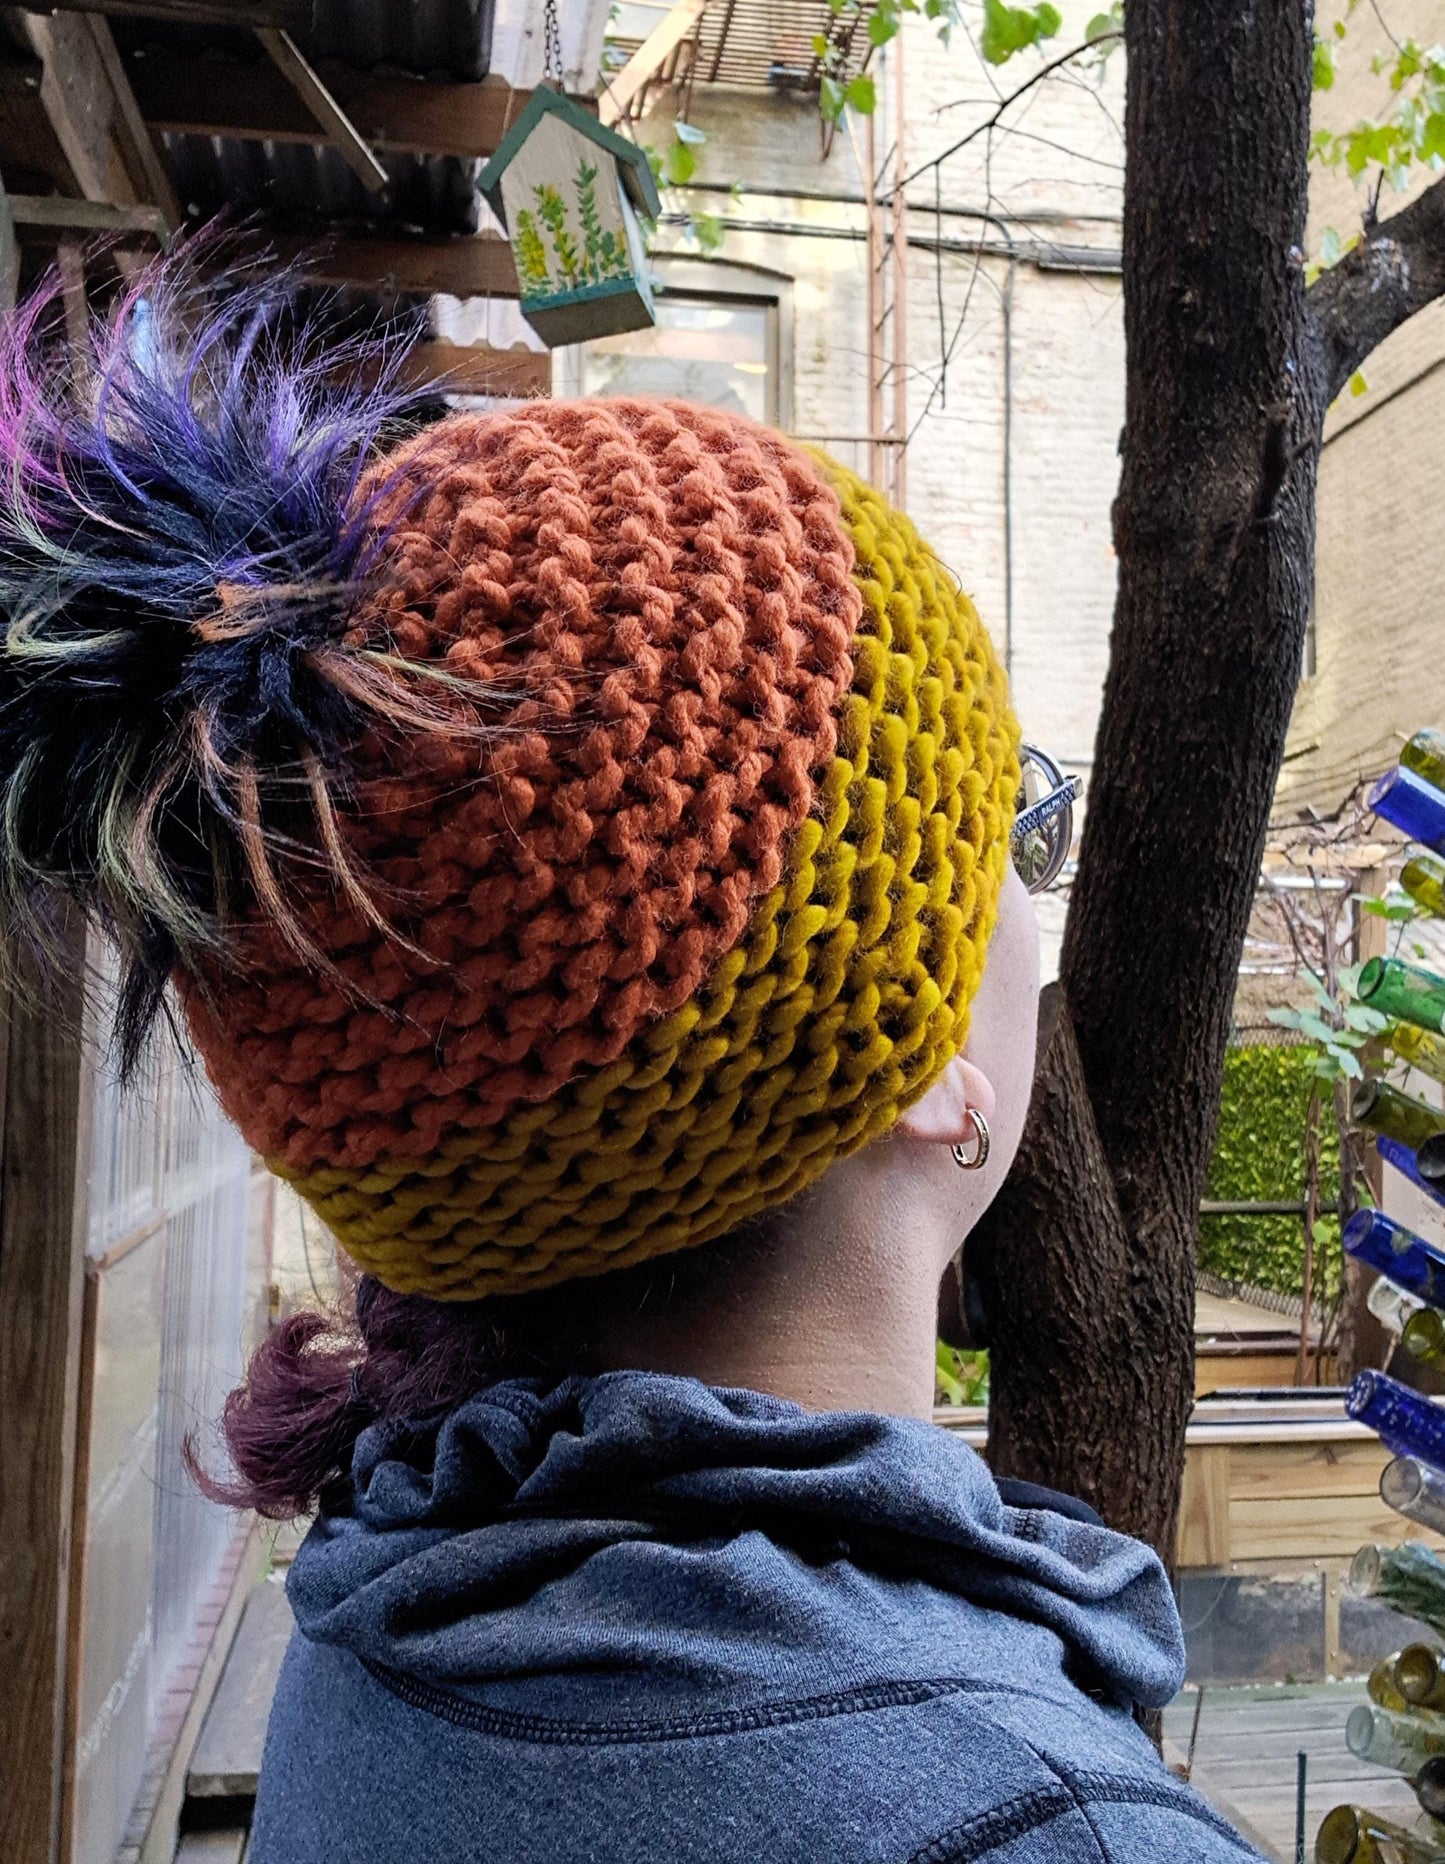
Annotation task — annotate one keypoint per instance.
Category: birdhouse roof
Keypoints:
(632, 163)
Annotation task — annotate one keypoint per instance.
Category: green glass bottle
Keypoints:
(1384, 1109)
(1355, 1835)
(1409, 1578)
(1420, 1676)
(1387, 1739)
(1419, 1048)
(1404, 990)
(1383, 1686)
(1425, 755)
(1423, 1336)
(1423, 878)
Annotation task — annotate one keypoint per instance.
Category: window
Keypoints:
(722, 337)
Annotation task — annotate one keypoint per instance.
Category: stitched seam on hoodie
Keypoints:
(536, 1728)
(987, 1831)
(1119, 1789)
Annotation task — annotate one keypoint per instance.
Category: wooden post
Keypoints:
(42, 1154)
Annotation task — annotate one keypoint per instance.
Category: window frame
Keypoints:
(722, 283)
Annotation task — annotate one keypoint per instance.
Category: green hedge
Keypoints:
(1260, 1153)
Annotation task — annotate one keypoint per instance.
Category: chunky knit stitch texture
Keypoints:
(708, 916)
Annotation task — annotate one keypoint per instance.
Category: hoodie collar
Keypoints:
(638, 1520)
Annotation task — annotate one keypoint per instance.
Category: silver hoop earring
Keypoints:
(980, 1156)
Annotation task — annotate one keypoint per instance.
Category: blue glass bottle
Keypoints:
(1402, 1257)
(1404, 1421)
(1415, 807)
(1404, 1161)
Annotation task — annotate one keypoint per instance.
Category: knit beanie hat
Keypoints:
(567, 829)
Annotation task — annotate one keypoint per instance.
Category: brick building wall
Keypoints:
(1379, 672)
(1017, 279)
(1037, 353)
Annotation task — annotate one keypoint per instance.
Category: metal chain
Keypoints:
(552, 41)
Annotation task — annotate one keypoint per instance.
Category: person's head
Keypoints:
(577, 835)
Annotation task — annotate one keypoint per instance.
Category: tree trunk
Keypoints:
(1087, 1264)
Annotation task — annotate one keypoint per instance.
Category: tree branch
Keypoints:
(1397, 269)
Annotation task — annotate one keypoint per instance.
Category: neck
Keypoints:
(834, 1307)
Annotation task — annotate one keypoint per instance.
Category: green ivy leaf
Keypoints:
(883, 24)
(830, 99)
(1287, 1019)
(681, 164)
(861, 94)
(1010, 29)
(708, 231)
(1361, 1016)
(1324, 65)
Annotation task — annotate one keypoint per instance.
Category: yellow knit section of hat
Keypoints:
(843, 1003)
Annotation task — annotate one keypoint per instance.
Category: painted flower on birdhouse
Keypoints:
(570, 193)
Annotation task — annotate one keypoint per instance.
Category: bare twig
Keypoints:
(1006, 103)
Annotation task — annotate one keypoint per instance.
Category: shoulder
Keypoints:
(1075, 1782)
(1093, 1818)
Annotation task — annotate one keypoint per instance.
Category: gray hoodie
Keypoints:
(634, 1618)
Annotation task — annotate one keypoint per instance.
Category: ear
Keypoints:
(944, 1116)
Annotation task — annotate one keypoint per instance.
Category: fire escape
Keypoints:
(775, 44)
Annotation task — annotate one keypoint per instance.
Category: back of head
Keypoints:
(567, 829)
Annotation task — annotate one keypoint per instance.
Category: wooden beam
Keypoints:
(130, 129)
(60, 215)
(191, 96)
(477, 267)
(42, 1162)
(478, 369)
(659, 45)
(78, 100)
(31, 156)
(70, 117)
(284, 13)
(9, 255)
(337, 127)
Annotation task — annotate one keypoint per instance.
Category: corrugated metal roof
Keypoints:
(304, 185)
(298, 185)
(431, 38)
(426, 38)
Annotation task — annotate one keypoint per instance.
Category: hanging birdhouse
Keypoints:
(569, 193)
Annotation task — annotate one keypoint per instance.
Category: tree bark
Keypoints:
(1087, 1264)
(1397, 269)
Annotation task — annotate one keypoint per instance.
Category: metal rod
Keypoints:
(1194, 1733)
(1301, 1769)
(1251, 1207)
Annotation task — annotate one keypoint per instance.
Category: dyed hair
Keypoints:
(182, 554)
(320, 1378)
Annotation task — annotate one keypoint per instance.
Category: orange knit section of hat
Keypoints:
(658, 601)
